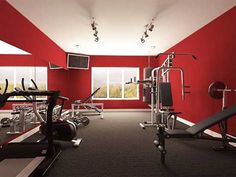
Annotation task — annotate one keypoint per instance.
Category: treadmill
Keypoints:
(29, 158)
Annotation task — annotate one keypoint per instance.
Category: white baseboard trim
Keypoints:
(186, 122)
(25, 135)
(126, 110)
(207, 131)
(105, 110)
(5, 111)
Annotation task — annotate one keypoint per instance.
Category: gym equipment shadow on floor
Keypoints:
(118, 147)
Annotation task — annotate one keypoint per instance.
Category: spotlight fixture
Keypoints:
(95, 33)
(148, 27)
(146, 34)
(151, 27)
(142, 40)
(96, 39)
(94, 28)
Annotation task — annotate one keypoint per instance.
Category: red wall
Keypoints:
(20, 60)
(76, 84)
(15, 29)
(80, 80)
(215, 46)
(59, 80)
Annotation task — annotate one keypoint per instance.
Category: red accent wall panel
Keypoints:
(16, 30)
(20, 60)
(60, 80)
(215, 46)
(76, 84)
(80, 80)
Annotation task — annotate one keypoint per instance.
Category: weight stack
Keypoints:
(147, 95)
(147, 72)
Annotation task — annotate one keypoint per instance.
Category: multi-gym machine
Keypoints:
(216, 90)
(161, 97)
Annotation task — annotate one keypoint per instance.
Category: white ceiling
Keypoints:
(120, 22)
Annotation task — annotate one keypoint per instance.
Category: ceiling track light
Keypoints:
(96, 39)
(148, 28)
(151, 27)
(142, 40)
(94, 28)
(95, 33)
(146, 34)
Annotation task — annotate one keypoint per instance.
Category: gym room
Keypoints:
(117, 88)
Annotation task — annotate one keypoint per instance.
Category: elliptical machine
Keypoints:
(64, 130)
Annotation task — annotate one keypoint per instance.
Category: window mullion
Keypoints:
(122, 84)
(121, 77)
(46, 78)
(31, 76)
(108, 83)
(92, 81)
(14, 81)
(137, 88)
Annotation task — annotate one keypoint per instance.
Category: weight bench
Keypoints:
(198, 128)
(196, 131)
(91, 109)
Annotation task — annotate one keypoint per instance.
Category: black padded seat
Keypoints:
(203, 125)
(178, 133)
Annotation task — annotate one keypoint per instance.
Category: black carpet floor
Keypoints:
(118, 147)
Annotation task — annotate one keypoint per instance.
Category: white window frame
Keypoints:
(32, 74)
(122, 82)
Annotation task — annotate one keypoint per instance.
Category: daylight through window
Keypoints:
(15, 75)
(111, 81)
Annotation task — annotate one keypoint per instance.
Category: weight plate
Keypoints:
(5, 122)
(85, 121)
(213, 89)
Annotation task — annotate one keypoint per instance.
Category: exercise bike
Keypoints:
(79, 121)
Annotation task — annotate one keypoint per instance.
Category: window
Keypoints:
(111, 81)
(15, 74)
